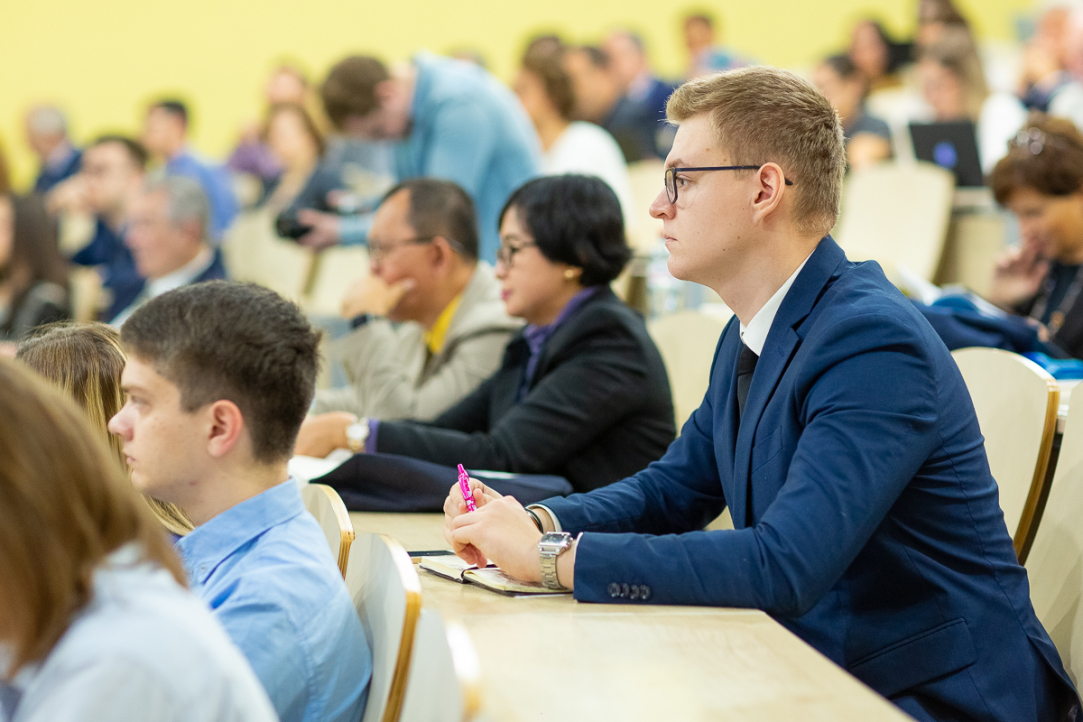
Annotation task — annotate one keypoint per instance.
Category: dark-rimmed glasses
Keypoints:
(671, 176)
(505, 255)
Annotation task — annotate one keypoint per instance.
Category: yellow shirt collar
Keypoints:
(437, 335)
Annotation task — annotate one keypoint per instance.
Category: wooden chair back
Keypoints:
(333, 271)
(687, 342)
(1016, 403)
(646, 180)
(324, 503)
(897, 213)
(444, 683)
(1055, 562)
(387, 595)
(253, 252)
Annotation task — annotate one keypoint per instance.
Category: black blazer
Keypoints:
(598, 408)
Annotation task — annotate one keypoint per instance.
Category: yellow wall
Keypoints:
(103, 60)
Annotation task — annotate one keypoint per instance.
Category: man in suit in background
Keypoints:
(836, 428)
(47, 135)
(167, 237)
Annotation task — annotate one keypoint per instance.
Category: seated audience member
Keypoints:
(628, 63)
(545, 90)
(429, 325)
(1044, 75)
(874, 53)
(98, 626)
(33, 275)
(287, 85)
(47, 135)
(1041, 182)
(296, 145)
(868, 139)
(866, 519)
(581, 394)
(167, 236)
(85, 361)
(165, 136)
(448, 119)
(598, 99)
(935, 17)
(705, 55)
(954, 86)
(218, 379)
(108, 185)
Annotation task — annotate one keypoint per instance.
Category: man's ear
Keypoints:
(771, 188)
(226, 427)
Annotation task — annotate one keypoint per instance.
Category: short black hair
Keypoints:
(350, 88)
(574, 219)
(441, 208)
(236, 341)
(173, 107)
(598, 57)
(134, 148)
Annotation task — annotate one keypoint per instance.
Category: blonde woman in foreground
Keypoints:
(85, 361)
(95, 620)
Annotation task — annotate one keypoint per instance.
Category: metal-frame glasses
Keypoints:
(505, 254)
(671, 176)
(379, 250)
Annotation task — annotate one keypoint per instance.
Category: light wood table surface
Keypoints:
(552, 658)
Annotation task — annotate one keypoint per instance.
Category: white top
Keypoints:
(171, 281)
(142, 649)
(1002, 116)
(589, 149)
(755, 334)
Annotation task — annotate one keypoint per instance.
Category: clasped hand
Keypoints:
(499, 530)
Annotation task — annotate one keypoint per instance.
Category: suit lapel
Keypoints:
(782, 342)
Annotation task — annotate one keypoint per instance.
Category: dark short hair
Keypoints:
(549, 69)
(1055, 170)
(234, 341)
(350, 88)
(441, 208)
(701, 18)
(173, 107)
(597, 57)
(136, 152)
(574, 219)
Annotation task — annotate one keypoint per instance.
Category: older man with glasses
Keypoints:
(428, 322)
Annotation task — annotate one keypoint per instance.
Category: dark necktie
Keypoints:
(746, 365)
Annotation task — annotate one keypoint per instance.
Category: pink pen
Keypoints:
(464, 486)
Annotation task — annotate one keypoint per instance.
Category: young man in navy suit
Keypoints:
(836, 428)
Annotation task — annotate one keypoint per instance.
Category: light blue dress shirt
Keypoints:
(467, 128)
(143, 648)
(265, 569)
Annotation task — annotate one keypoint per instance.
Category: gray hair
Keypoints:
(185, 199)
(47, 120)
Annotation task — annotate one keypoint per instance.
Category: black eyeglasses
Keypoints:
(505, 255)
(671, 176)
(379, 250)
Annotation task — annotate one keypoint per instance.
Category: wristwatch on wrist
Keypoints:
(550, 546)
(357, 434)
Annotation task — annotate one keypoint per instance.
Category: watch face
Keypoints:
(555, 539)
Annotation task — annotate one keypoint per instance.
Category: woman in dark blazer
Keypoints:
(582, 392)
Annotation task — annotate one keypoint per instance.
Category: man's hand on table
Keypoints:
(322, 434)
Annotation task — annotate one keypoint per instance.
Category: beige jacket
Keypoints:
(393, 375)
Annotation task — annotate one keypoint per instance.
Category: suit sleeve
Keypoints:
(564, 412)
(863, 439)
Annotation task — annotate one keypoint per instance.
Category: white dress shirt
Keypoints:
(755, 334)
(157, 286)
(143, 648)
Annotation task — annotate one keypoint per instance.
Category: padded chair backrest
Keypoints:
(687, 341)
(1016, 403)
(1055, 563)
(254, 252)
(324, 503)
(444, 683)
(646, 178)
(897, 213)
(387, 595)
(333, 271)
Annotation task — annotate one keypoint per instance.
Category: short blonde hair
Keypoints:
(763, 115)
(85, 361)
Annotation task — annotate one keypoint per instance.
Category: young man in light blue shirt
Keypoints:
(218, 379)
(450, 119)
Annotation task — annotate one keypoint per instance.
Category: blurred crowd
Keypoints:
(148, 213)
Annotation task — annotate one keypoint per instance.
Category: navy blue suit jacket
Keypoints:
(867, 520)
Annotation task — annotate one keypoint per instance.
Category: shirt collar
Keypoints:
(536, 335)
(211, 543)
(436, 336)
(755, 334)
(183, 275)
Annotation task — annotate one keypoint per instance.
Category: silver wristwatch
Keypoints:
(550, 546)
(357, 434)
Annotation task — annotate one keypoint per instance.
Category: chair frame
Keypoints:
(345, 526)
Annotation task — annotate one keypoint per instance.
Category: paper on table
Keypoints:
(490, 577)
